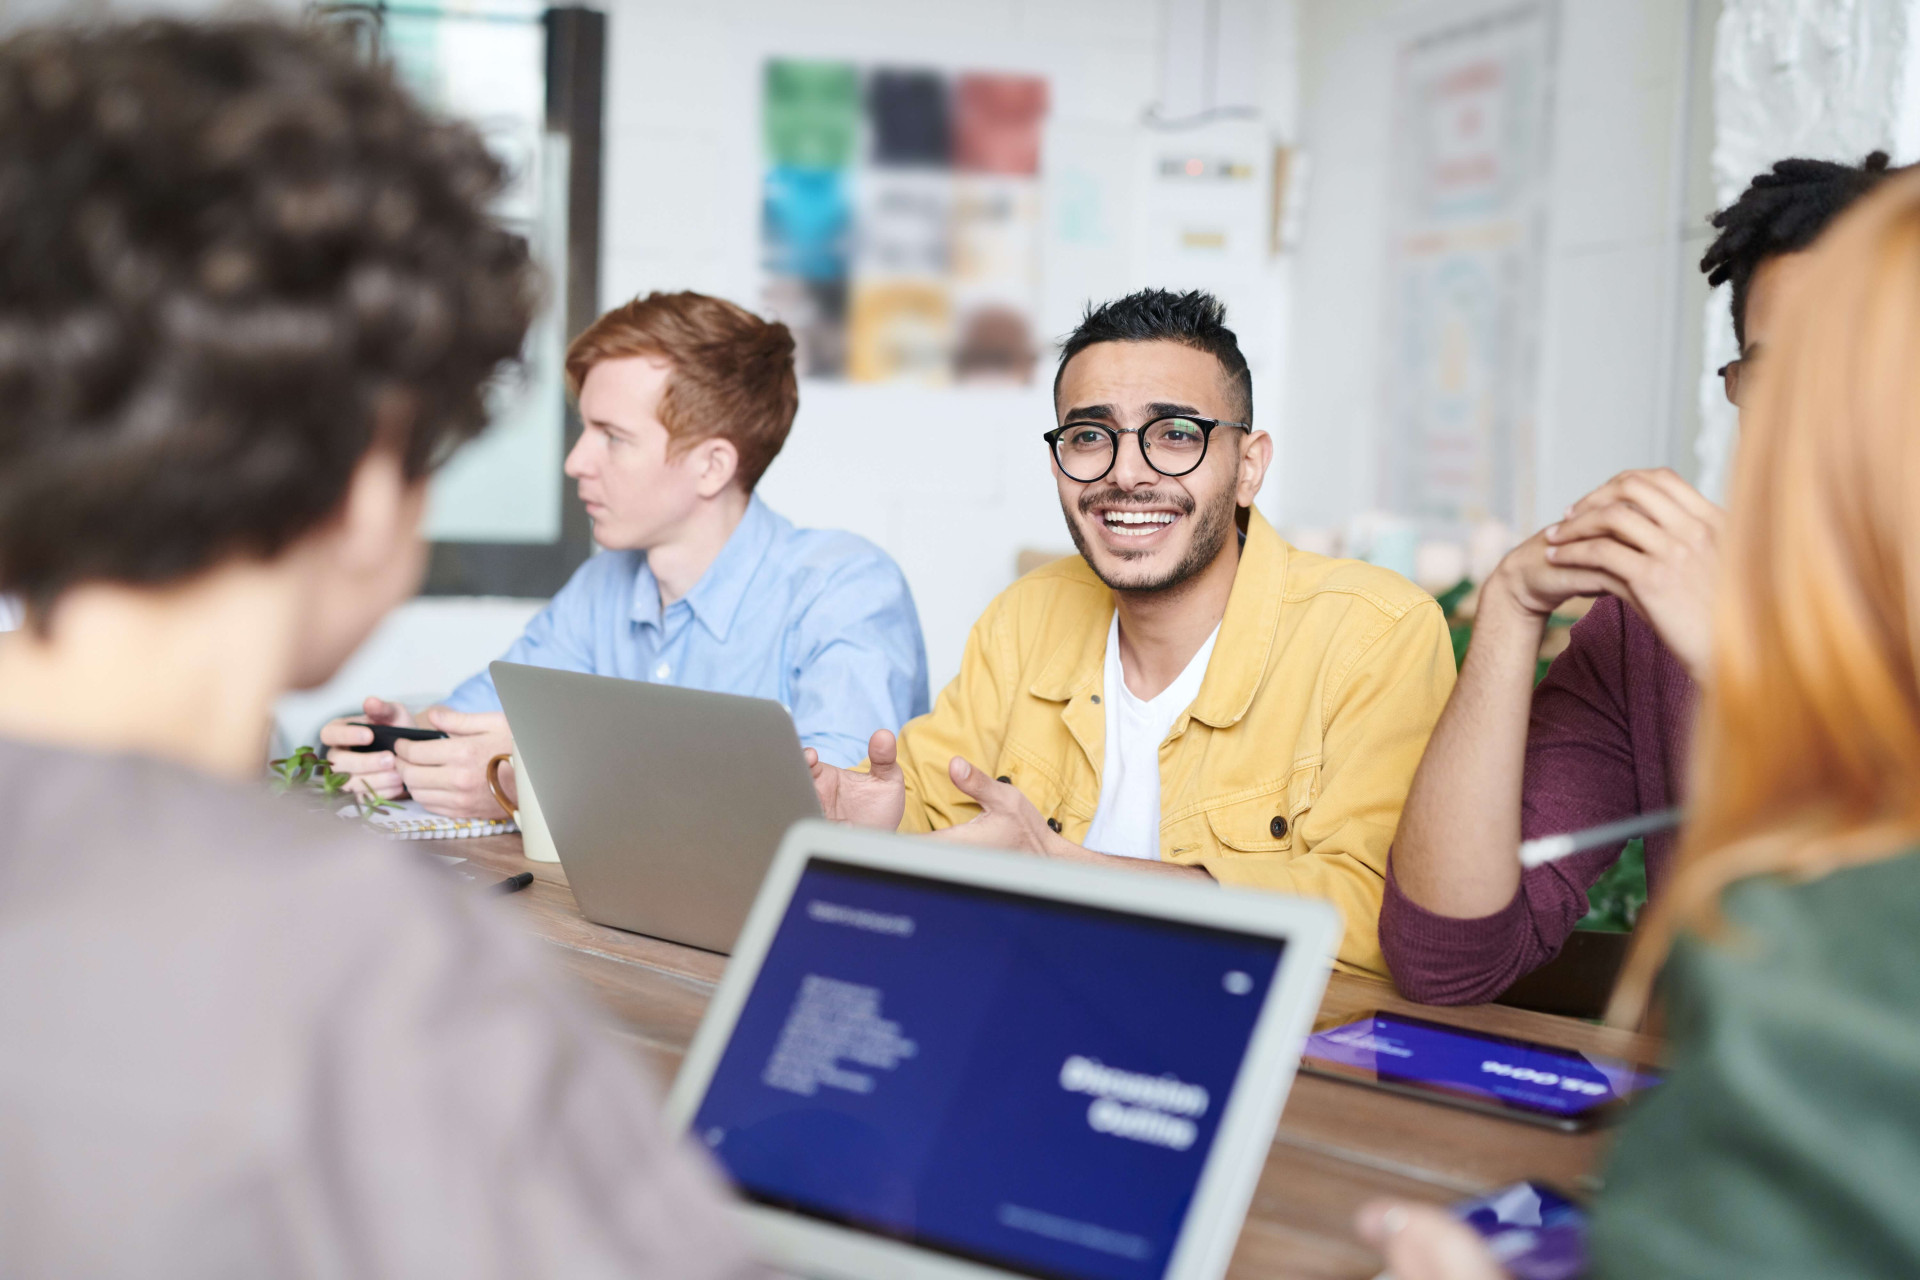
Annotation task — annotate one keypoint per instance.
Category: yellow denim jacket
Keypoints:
(1289, 770)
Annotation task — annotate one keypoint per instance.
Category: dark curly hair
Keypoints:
(1782, 211)
(231, 254)
(1193, 319)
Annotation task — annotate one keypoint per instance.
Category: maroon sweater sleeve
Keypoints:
(1580, 771)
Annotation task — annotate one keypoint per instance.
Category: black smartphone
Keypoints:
(385, 735)
(1534, 1231)
(1516, 1079)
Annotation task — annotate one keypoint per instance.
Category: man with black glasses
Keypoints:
(1192, 696)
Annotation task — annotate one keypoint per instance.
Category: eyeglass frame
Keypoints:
(1206, 425)
(1734, 370)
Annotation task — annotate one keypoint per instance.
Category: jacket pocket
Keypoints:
(1267, 823)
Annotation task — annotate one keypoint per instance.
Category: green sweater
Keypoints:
(1786, 1141)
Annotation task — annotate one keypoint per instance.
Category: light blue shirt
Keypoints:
(818, 620)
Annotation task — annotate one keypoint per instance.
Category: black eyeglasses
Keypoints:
(1734, 370)
(1086, 451)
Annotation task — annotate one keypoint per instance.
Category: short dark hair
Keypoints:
(1782, 211)
(732, 371)
(224, 248)
(1194, 319)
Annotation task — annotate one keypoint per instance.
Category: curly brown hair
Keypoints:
(226, 249)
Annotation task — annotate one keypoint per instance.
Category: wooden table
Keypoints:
(1338, 1144)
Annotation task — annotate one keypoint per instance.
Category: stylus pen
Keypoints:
(1545, 849)
(514, 884)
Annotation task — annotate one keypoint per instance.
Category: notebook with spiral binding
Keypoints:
(407, 820)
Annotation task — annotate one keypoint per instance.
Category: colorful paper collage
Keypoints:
(900, 224)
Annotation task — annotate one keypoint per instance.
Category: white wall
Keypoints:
(1616, 263)
(953, 483)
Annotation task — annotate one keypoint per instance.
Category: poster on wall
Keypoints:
(900, 220)
(1471, 136)
(1202, 220)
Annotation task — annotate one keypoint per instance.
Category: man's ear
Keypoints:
(1256, 455)
(715, 462)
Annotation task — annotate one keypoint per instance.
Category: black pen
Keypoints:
(514, 884)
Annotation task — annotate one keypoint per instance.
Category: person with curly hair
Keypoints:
(1604, 736)
(250, 296)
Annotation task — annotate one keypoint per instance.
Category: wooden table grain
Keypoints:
(1338, 1145)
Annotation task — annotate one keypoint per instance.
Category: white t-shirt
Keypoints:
(1127, 821)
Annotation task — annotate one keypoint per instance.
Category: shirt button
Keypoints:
(662, 671)
(1096, 698)
(1054, 824)
(1279, 827)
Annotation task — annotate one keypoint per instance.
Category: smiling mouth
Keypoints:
(1136, 524)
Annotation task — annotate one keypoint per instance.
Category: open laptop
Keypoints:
(931, 1061)
(665, 804)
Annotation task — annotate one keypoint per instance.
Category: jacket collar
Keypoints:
(1239, 663)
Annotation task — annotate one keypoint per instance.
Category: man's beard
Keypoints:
(1210, 532)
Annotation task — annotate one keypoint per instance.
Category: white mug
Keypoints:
(536, 843)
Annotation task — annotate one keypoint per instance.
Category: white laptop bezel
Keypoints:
(1311, 927)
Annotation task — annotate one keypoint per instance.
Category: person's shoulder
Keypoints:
(1333, 581)
(1861, 913)
(234, 870)
(1063, 588)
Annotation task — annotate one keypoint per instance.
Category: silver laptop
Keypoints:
(665, 804)
(930, 1061)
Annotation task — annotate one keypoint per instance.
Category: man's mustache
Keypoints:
(1183, 502)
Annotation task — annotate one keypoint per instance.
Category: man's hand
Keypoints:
(1007, 818)
(1421, 1242)
(449, 775)
(1653, 534)
(877, 798)
(372, 772)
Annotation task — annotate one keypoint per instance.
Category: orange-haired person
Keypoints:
(1786, 1141)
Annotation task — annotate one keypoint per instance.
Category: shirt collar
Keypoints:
(1240, 653)
(716, 598)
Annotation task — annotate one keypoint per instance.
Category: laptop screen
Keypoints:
(1015, 1080)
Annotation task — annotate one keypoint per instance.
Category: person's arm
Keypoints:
(1458, 925)
(450, 777)
(904, 784)
(1456, 853)
(859, 661)
(561, 636)
(1379, 718)
(1008, 820)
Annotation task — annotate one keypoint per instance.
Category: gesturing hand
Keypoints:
(877, 798)
(372, 772)
(1653, 533)
(1007, 818)
(449, 775)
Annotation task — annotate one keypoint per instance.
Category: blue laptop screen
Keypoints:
(1019, 1081)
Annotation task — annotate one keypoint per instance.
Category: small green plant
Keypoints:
(308, 768)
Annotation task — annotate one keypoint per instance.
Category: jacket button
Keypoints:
(1003, 778)
(1279, 827)
(1054, 824)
